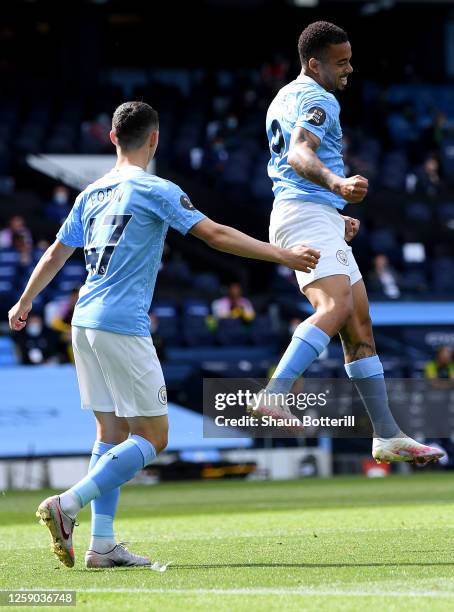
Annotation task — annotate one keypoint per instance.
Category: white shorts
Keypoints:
(118, 373)
(319, 226)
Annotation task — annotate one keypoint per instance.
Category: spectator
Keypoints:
(24, 248)
(433, 136)
(426, 181)
(442, 366)
(440, 371)
(95, 134)
(215, 157)
(233, 305)
(16, 227)
(383, 279)
(37, 344)
(59, 206)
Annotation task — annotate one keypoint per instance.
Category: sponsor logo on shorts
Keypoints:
(342, 257)
(162, 395)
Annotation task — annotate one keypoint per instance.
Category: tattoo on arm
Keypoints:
(304, 160)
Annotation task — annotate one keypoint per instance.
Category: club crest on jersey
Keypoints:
(341, 256)
(316, 115)
(186, 203)
(162, 395)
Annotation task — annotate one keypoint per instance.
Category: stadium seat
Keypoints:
(196, 308)
(8, 279)
(196, 331)
(446, 212)
(394, 170)
(442, 275)
(447, 156)
(383, 241)
(418, 211)
(237, 169)
(8, 356)
(231, 332)
(207, 282)
(72, 275)
(9, 257)
(168, 322)
(262, 331)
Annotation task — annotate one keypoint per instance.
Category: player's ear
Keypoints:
(313, 64)
(154, 137)
(113, 138)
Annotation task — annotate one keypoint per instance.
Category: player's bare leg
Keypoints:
(153, 429)
(331, 297)
(110, 428)
(389, 444)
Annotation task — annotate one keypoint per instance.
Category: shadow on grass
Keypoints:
(204, 566)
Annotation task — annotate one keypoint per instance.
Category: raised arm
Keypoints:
(50, 263)
(303, 159)
(227, 239)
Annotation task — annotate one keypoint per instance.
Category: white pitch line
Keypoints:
(265, 591)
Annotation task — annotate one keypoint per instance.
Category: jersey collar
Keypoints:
(126, 169)
(303, 78)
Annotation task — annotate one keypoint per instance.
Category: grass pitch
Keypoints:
(337, 544)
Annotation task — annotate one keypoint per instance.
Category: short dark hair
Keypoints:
(317, 37)
(132, 122)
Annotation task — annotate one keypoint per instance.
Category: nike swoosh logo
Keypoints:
(65, 534)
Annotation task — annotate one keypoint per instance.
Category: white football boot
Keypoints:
(61, 527)
(403, 448)
(270, 406)
(119, 556)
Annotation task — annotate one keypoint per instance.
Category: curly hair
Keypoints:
(132, 122)
(317, 37)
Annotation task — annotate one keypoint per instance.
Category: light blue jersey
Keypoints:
(304, 103)
(121, 220)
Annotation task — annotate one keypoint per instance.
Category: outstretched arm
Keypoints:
(50, 263)
(227, 239)
(303, 159)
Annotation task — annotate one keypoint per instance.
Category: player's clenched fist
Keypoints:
(302, 258)
(353, 189)
(18, 315)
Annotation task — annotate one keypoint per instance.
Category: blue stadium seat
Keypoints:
(207, 282)
(446, 211)
(418, 211)
(196, 332)
(447, 156)
(8, 272)
(383, 241)
(71, 275)
(231, 332)
(9, 257)
(200, 355)
(168, 322)
(262, 331)
(394, 170)
(176, 374)
(237, 168)
(442, 275)
(196, 308)
(8, 355)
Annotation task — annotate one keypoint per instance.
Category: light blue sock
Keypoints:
(367, 375)
(114, 468)
(104, 508)
(307, 343)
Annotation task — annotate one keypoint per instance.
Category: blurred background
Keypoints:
(211, 68)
